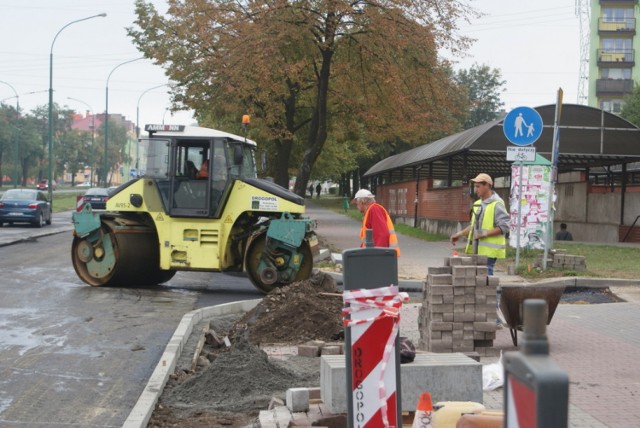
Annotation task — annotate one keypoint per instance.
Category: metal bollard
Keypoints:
(536, 389)
(369, 268)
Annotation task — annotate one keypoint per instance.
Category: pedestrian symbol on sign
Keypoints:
(522, 126)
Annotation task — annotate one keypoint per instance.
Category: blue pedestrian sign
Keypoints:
(522, 126)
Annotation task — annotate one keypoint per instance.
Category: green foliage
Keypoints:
(349, 77)
(631, 107)
(483, 86)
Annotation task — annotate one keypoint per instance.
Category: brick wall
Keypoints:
(591, 212)
(451, 203)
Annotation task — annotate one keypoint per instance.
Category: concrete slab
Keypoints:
(448, 377)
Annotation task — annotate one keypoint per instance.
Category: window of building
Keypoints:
(616, 45)
(617, 14)
(615, 73)
(612, 106)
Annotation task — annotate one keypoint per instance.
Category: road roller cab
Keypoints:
(198, 205)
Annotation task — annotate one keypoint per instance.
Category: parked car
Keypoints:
(85, 184)
(25, 206)
(44, 184)
(97, 197)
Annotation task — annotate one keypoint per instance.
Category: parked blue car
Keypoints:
(25, 206)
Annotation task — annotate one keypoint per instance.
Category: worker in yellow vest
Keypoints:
(486, 235)
(375, 217)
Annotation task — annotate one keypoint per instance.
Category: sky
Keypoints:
(535, 45)
(84, 55)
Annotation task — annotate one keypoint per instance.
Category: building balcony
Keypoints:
(619, 58)
(613, 87)
(607, 27)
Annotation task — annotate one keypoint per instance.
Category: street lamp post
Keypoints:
(138, 125)
(93, 135)
(106, 117)
(17, 133)
(50, 186)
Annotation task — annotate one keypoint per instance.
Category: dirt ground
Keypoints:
(235, 383)
(231, 387)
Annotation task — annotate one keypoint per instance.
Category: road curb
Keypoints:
(144, 407)
(34, 235)
(581, 282)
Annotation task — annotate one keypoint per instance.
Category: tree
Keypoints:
(483, 86)
(31, 150)
(631, 107)
(115, 149)
(306, 68)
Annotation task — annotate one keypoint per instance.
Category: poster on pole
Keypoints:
(534, 204)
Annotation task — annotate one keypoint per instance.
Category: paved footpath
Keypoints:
(598, 345)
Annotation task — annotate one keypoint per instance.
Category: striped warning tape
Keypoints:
(384, 304)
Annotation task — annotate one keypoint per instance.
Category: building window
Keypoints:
(617, 14)
(612, 106)
(616, 73)
(616, 45)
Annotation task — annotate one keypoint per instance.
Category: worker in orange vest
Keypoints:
(376, 218)
(203, 172)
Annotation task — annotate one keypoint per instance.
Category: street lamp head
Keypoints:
(104, 15)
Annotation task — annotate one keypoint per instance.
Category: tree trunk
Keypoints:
(283, 154)
(318, 127)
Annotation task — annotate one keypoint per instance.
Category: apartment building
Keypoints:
(613, 45)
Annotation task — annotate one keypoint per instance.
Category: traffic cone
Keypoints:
(424, 412)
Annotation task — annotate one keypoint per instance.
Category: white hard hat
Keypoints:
(363, 193)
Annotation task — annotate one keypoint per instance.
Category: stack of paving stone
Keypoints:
(561, 260)
(458, 311)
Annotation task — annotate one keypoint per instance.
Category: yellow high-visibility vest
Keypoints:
(491, 246)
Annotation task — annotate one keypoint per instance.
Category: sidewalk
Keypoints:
(596, 344)
(343, 233)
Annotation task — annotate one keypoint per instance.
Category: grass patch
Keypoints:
(603, 261)
(65, 201)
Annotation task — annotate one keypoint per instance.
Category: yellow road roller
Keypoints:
(196, 204)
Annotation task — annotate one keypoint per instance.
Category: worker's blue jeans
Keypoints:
(491, 262)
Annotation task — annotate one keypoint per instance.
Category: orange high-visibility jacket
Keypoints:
(384, 234)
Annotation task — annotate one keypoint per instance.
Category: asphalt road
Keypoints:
(74, 355)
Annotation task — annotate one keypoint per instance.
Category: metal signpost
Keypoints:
(555, 153)
(522, 126)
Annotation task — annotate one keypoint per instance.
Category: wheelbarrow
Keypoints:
(512, 303)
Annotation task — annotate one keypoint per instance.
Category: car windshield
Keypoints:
(25, 195)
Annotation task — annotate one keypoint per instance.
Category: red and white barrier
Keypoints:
(79, 203)
(374, 321)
